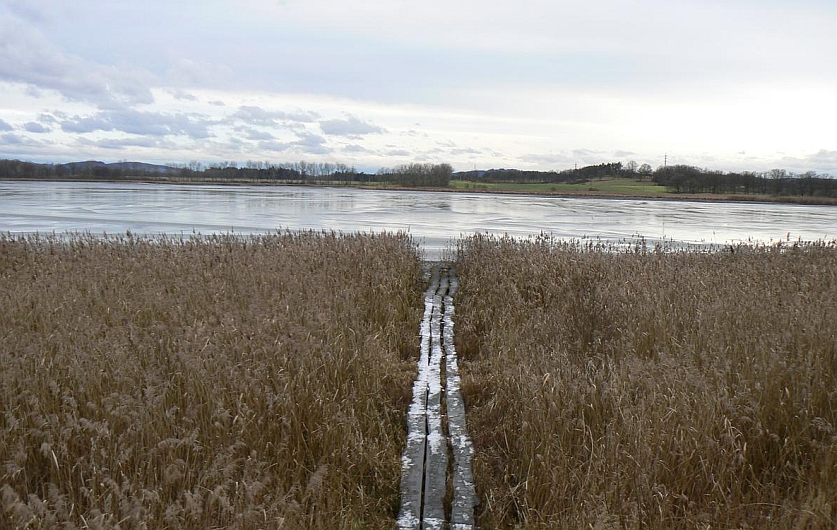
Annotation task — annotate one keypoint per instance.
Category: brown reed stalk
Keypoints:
(218, 382)
(608, 388)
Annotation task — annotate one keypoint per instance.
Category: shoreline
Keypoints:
(587, 194)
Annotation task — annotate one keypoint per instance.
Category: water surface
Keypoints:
(432, 218)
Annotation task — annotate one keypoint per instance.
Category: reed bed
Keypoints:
(221, 382)
(650, 389)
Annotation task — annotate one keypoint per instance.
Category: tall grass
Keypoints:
(650, 389)
(224, 382)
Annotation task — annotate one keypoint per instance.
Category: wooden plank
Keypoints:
(412, 460)
(462, 452)
(428, 451)
(436, 461)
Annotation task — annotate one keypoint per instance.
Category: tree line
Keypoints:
(409, 175)
(219, 171)
(421, 175)
(676, 178)
(567, 176)
(777, 182)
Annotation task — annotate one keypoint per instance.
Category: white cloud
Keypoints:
(140, 122)
(255, 115)
(355, 148)
(28, 56)
(351, 126)
(182, 95)
(11, 138)
(397, 152)
(35, 127)
(256, 134)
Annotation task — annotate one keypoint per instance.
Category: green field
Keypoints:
(616, 186)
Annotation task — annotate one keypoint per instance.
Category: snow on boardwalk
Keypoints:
(437, 487)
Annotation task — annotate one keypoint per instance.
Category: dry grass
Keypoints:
(229, 382)
(650, 389)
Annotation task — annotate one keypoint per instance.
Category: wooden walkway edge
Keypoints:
(437, 487)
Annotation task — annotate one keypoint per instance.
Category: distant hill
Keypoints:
(578, 175)
(469, 175)
(140, 167)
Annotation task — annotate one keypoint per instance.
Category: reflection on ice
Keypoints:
(433, 218)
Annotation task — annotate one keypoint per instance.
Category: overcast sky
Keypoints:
(540, 84)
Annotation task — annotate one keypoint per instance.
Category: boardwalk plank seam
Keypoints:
(428, 452)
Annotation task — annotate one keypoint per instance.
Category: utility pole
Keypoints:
(665, 161)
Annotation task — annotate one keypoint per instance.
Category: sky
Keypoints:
(729, 85)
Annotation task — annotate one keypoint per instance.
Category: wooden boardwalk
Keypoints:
(437, 487)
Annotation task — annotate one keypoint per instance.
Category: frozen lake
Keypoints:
(432, 218)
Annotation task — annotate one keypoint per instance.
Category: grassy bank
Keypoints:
(613, 188)
(650, 390)
(231, 382)
(619, 187)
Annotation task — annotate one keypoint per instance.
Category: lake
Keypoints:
(434, 219)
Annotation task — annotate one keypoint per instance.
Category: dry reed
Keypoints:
(650, 389)
(256, 382)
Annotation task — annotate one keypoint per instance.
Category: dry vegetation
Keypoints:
(229, 382)
(650, 389)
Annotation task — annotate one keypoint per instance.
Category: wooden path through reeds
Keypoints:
(437, 487)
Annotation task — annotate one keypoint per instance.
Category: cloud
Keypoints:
(131, 142)
(37, 128)
(351, 127)
(584, 152)
(78, 124)
(11, 139)
(465, 151)
(312, 143)
(556, 160)
(255, 134)
(19, 140)
(273, 145)
(140, 122)
(217, 103)
(397, 152)
(307, 143)
(27, 56)
(4, 126)
(183, 96)
(623, 154)
(48, 118)
(258, 116)
(824, 155)
(354, 148)
(823, 161)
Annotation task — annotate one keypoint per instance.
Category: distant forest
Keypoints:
(682, 179)
(677, 179)
(413, 175)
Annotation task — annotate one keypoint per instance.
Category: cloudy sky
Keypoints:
(540, 84)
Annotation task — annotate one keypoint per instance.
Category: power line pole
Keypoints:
(665, 161)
